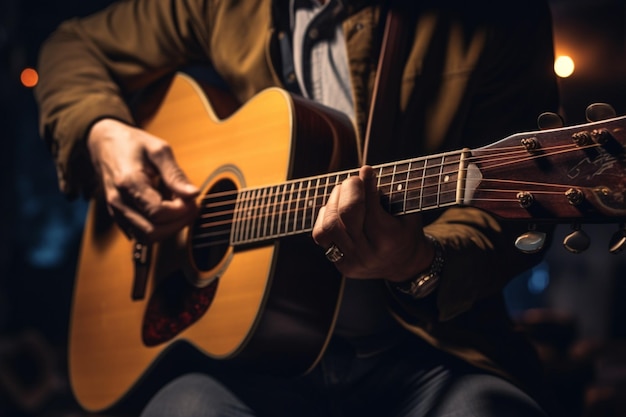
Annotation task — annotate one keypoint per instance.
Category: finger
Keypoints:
(326, 220)
(376, 214)
(136, 225)
(174, 209)
(130, 221)
(172, 175)
(351, 207)
(328, 228)
(370, 184)
(318, 230)
(141, 207)
(138, 192)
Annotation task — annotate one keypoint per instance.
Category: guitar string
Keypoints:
(495, 156)
(308, 219)
(455, 163)
(482, 159)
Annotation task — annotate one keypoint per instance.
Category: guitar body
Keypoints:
(271, 305)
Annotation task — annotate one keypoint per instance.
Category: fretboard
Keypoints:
(291, 208)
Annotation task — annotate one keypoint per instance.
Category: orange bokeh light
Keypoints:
(564, 66)
(29, 77)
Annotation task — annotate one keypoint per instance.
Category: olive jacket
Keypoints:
(474, 73)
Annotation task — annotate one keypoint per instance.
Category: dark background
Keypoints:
(573, 305)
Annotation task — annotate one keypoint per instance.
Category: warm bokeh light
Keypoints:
(29, 77)
(564, 66)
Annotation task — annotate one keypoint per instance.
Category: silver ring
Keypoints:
(333, 253)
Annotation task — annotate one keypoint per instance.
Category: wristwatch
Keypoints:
(426, 282)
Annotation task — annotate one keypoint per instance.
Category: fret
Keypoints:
(253, 211)
(236, 216)
(287, 207)
(422, 178)
(307, 206)
(264, 212)
(385, 176)
(294, 203)
(298, 207)
(450, 177)
(280, 201)
(241, 213)
(244, 216)
(407, 190)
(414, 184)
(259, 214)
(397, 200)
(273, 204)
(262, 223)
(248, 216)
(314, 204)
(288, 210)
(430, 188)
(439, 179)
(240, 217)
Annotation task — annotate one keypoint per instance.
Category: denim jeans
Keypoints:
(410, 380)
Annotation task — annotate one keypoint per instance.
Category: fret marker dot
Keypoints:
(446, 178)
(399, 187)
(310, 203)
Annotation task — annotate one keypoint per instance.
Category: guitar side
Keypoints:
(272, 304)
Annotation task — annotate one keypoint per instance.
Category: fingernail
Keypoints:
(191, 189)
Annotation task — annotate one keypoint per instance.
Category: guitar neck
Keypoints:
(291, 208)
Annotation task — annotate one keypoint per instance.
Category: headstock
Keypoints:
(558, 174)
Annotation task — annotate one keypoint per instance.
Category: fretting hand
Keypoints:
(364, 240)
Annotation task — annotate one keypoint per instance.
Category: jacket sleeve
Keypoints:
(89, 68)
(511, 85)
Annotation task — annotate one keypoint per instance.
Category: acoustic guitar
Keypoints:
(245, 282)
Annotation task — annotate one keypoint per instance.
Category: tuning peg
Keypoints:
(531, 241)
(577, 241)
(618, 240)
(599, 111)
(549, 120)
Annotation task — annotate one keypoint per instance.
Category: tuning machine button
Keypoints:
(531, 241)
(599, 111)
(618, 240)
(549, 120)
(578, 241)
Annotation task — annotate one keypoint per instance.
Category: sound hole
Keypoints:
(211, 231)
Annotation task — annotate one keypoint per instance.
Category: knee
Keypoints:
(194, 395)
(488, 395)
